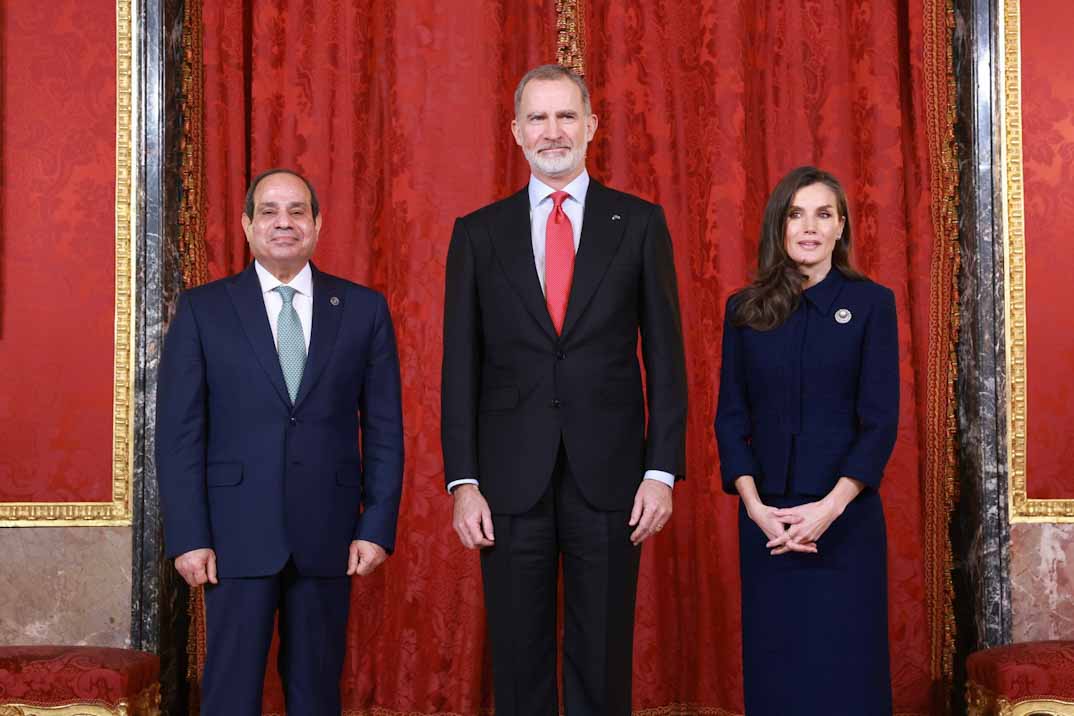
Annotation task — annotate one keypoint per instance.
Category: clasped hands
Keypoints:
(198, 566)
(795, 529)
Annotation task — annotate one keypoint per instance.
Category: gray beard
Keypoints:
(552, 166)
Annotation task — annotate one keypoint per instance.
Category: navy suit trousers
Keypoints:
(239, 616)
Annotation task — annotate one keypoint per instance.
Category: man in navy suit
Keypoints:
(552, 450)
(268, 381)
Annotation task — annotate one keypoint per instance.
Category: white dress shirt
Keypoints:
(302, 300)
(541, 205)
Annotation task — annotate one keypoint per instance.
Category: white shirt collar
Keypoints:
(302, 282)
(539, 191)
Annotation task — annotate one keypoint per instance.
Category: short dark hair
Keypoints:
(248, 209)
(553, 72)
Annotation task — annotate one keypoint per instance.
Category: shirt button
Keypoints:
(560, 355)
(293, 421)
(555, 403)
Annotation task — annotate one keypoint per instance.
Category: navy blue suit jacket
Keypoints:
(252, 476)
(814, 399)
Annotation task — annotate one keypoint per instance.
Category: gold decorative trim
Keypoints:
(193, 259)
(982, 702)
(147, 703)
(941, 485)
(1022, 508)
(570, 35)
(192, 255)
(1042, 707)
(118, 511)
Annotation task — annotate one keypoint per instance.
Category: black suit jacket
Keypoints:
(513, 390)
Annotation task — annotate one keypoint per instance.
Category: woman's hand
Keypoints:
(807, 523)
(775, 529)
(810, 521)
(765, 517)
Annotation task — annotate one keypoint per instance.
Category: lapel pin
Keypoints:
(334, 301)
(616, 217)
(843, 315)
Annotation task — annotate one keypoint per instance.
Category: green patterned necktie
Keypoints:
(290, 342)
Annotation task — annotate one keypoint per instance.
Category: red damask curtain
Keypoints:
(399, 114)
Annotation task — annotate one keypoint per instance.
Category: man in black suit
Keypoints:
(546, 447)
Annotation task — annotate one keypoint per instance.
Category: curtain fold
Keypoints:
(399, 114)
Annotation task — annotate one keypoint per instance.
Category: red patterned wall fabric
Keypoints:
(57, 249)
(399, 113)
(1048, 176)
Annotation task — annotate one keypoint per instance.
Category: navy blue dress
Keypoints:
(800, 406)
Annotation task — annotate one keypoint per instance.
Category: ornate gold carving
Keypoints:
(941, 487)
(147, 703)
(570, 35)
(1022, 507)
(70, 710)
(118, 510)
(1042, 707)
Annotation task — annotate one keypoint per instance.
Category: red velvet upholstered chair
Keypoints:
(78, 681)
(1022, 679)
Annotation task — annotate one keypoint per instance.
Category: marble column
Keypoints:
(158, 604)
(980, 526)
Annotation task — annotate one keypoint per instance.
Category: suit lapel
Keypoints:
(328, 295)
(512, 238)
(245, 292)
(602, 230)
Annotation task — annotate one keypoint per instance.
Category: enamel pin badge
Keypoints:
(843, 315)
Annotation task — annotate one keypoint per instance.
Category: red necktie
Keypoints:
(558, 260)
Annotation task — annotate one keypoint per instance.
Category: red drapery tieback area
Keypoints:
(399, 114)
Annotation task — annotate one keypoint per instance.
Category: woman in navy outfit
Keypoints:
(807, 418)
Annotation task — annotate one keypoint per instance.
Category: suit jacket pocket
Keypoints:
(223, 474)
(349, 474)
(502, 398)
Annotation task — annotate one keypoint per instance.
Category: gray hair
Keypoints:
(552, 72)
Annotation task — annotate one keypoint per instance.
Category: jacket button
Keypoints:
(560, 355)
(293, 421)
(555, 403)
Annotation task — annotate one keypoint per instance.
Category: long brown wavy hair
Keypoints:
(777, 286)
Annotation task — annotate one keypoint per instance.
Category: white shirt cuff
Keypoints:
(660, 476)
(465, 481)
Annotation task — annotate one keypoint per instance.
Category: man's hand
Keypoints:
(472, 519)
(652, 510)
(365, 557)
(197, 566)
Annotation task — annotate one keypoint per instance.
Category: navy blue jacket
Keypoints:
(816, 398)
(243, 471)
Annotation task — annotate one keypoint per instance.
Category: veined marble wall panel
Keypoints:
(1042, 581)
(65, 585)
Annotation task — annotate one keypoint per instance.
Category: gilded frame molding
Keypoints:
(1022, 507)
(117, 511)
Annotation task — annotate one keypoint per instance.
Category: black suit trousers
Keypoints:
(600, 576)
